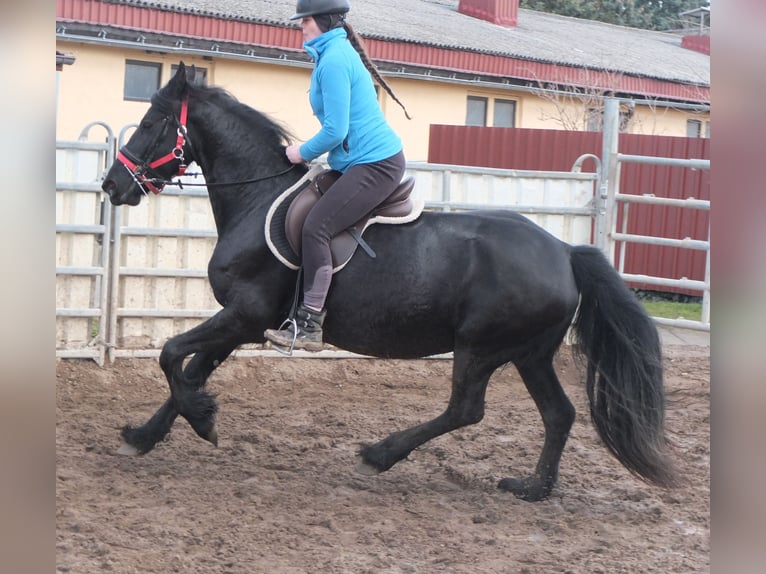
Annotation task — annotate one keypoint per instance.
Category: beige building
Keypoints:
(466, 62)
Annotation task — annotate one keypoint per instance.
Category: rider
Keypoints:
(361, 145)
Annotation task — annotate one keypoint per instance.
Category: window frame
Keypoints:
(489, 111)
(514, 106)
(476, 99)
(157, 66)
(696, 125)
(594, 120)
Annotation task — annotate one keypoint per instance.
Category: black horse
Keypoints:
(490, 286)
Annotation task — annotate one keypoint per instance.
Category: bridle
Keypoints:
(139, 169)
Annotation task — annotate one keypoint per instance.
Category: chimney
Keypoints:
(697, 43)
(501, 12)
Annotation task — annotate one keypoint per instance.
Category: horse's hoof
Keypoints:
(128, 450)
(212, 436)
(528, 489)
(364, 468)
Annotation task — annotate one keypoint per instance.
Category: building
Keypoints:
(475, 62)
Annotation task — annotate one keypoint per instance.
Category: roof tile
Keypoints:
(538, 37)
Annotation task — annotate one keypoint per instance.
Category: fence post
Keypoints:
(608, 176)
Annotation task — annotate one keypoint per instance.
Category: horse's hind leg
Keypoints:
(558, 415)
(142, 439)
(470, 375)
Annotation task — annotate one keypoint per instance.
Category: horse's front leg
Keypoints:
(470, 376)
(223, 332)
(142, 439)
(210, 343)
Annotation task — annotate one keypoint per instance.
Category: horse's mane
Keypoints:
(275, 131)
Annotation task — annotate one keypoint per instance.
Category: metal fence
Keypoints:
(553, 150)
(129, 278)
(616, 203)
(83, 232)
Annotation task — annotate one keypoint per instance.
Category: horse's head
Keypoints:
(158, 149)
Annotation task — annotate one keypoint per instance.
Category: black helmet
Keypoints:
(315, 7)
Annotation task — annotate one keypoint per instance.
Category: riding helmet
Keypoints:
(315, 7)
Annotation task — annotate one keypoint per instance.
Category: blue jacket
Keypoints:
(342, 96)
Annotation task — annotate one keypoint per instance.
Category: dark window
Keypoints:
(593, 120)
(200, 74)
(505, 114)
(476, 111)
(627, 110)
(142, 79)
(693, 128)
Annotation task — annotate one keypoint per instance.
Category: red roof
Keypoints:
(251, 33)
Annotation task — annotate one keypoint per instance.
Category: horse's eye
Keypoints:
(146, 124)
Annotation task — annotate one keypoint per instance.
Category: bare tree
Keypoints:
(579, 105)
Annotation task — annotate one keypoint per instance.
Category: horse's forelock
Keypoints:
(162, 102)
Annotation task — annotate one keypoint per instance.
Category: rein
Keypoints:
(181, 184)
(139, 169)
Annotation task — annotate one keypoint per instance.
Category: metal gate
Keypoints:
(611, 202)
(83, 230)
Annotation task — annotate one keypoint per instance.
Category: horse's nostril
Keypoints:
(108, 186)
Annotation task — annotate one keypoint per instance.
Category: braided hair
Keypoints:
(327, 22)
(358, 45)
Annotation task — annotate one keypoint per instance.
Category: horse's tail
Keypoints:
(624, 368)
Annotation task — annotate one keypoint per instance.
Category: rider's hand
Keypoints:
(293, 153)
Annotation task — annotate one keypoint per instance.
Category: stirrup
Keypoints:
(289, 350)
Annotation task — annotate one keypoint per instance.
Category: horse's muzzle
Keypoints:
(110, 188)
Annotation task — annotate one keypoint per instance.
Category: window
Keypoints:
(476, 114)
(594, 119)
(142, 79)
(505, 114)
(200, 74)
(478, 109)
(693, 128)
(707, 130)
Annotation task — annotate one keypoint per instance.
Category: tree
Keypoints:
(646, 14)
(577, 108)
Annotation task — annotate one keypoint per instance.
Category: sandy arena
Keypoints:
(280, 494)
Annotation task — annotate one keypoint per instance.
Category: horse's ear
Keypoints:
(180, 74)
(181, 79)
(186, 74)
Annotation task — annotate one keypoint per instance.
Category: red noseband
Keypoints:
(139, 168)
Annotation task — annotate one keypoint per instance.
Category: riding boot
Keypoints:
(308, 335)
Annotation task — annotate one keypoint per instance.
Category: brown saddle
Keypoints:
(398, 208)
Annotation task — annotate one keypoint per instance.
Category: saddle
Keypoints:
(286, 216)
